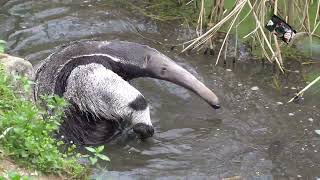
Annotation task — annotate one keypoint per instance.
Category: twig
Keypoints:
(5, 132)
(304, 89)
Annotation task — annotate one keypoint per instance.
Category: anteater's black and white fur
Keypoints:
(93, 77)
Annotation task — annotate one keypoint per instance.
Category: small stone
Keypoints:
(239, 84)
(132, 149)
(165, 39)
(255, 88)
(293, 88)
(267, 107)
(310, 119)
(286, 87)
(315, 151)
(299, 176)
(279, 103)
(291, 114)
(229, 70)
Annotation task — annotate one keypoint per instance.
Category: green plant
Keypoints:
(26, 131)
(96, 151)
(2, 45)
(13, 175)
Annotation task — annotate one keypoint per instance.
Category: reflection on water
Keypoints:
(256, 135)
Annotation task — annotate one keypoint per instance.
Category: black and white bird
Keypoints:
(92, 76)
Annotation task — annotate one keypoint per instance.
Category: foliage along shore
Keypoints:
(26, 131)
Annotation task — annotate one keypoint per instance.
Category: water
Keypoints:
(256, 135)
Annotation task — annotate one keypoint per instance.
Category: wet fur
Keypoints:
(100, 105)
(92, 76)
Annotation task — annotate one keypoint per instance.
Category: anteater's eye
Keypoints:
(163, 70)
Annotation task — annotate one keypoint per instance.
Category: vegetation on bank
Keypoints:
(27, 129)
(27, 134)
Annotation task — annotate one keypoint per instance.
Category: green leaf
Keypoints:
(2, 46)
(93, 160)
(100, 148)
(14, 175)
(90, 149)
(103, 157)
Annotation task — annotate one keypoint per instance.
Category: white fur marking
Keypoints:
(98, 54)
(104, 93)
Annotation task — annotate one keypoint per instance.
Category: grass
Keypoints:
(26, 132)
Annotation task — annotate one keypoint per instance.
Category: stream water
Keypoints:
(256, 135)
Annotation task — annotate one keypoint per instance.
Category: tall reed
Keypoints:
(297, 13)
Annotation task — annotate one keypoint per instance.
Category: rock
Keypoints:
(16, 66)
(255, 88)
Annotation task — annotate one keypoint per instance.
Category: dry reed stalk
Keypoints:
(202, 14)
(207, 35)
(278, 51)
(227, 35)
(315, 25)
(265, 37)
(304, 89)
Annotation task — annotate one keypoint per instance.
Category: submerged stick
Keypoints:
(304, 89)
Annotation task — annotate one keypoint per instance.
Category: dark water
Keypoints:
(256, 135)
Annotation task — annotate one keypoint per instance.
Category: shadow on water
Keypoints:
(256, 135)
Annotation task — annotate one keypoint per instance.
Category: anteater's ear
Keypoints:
(146, 60)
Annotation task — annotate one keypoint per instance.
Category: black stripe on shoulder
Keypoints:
(139, 103)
